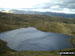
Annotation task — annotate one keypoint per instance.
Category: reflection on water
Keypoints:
(35, 40)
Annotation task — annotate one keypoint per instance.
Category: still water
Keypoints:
(31, 39)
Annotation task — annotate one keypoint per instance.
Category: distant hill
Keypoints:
(40, 13)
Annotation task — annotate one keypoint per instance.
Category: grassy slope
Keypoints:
(44, 23)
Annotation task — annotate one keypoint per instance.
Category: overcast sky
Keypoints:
(61, 6)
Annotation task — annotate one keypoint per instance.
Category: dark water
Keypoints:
(35, 40)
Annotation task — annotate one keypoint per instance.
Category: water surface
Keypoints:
(32, 39)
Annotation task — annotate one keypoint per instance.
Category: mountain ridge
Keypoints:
(39, 13)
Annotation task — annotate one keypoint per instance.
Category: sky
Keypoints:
(60, 6)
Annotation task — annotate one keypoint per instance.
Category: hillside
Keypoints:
(41, 22)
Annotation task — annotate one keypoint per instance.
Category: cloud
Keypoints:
(62, 6)
(17, 3)
(52, 5)
(21, 3)
(61, 3)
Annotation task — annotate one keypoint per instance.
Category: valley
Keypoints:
(9, 21)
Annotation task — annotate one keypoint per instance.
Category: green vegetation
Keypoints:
(4, 50)
(41, 22)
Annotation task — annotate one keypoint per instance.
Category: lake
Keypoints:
(31, 39)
